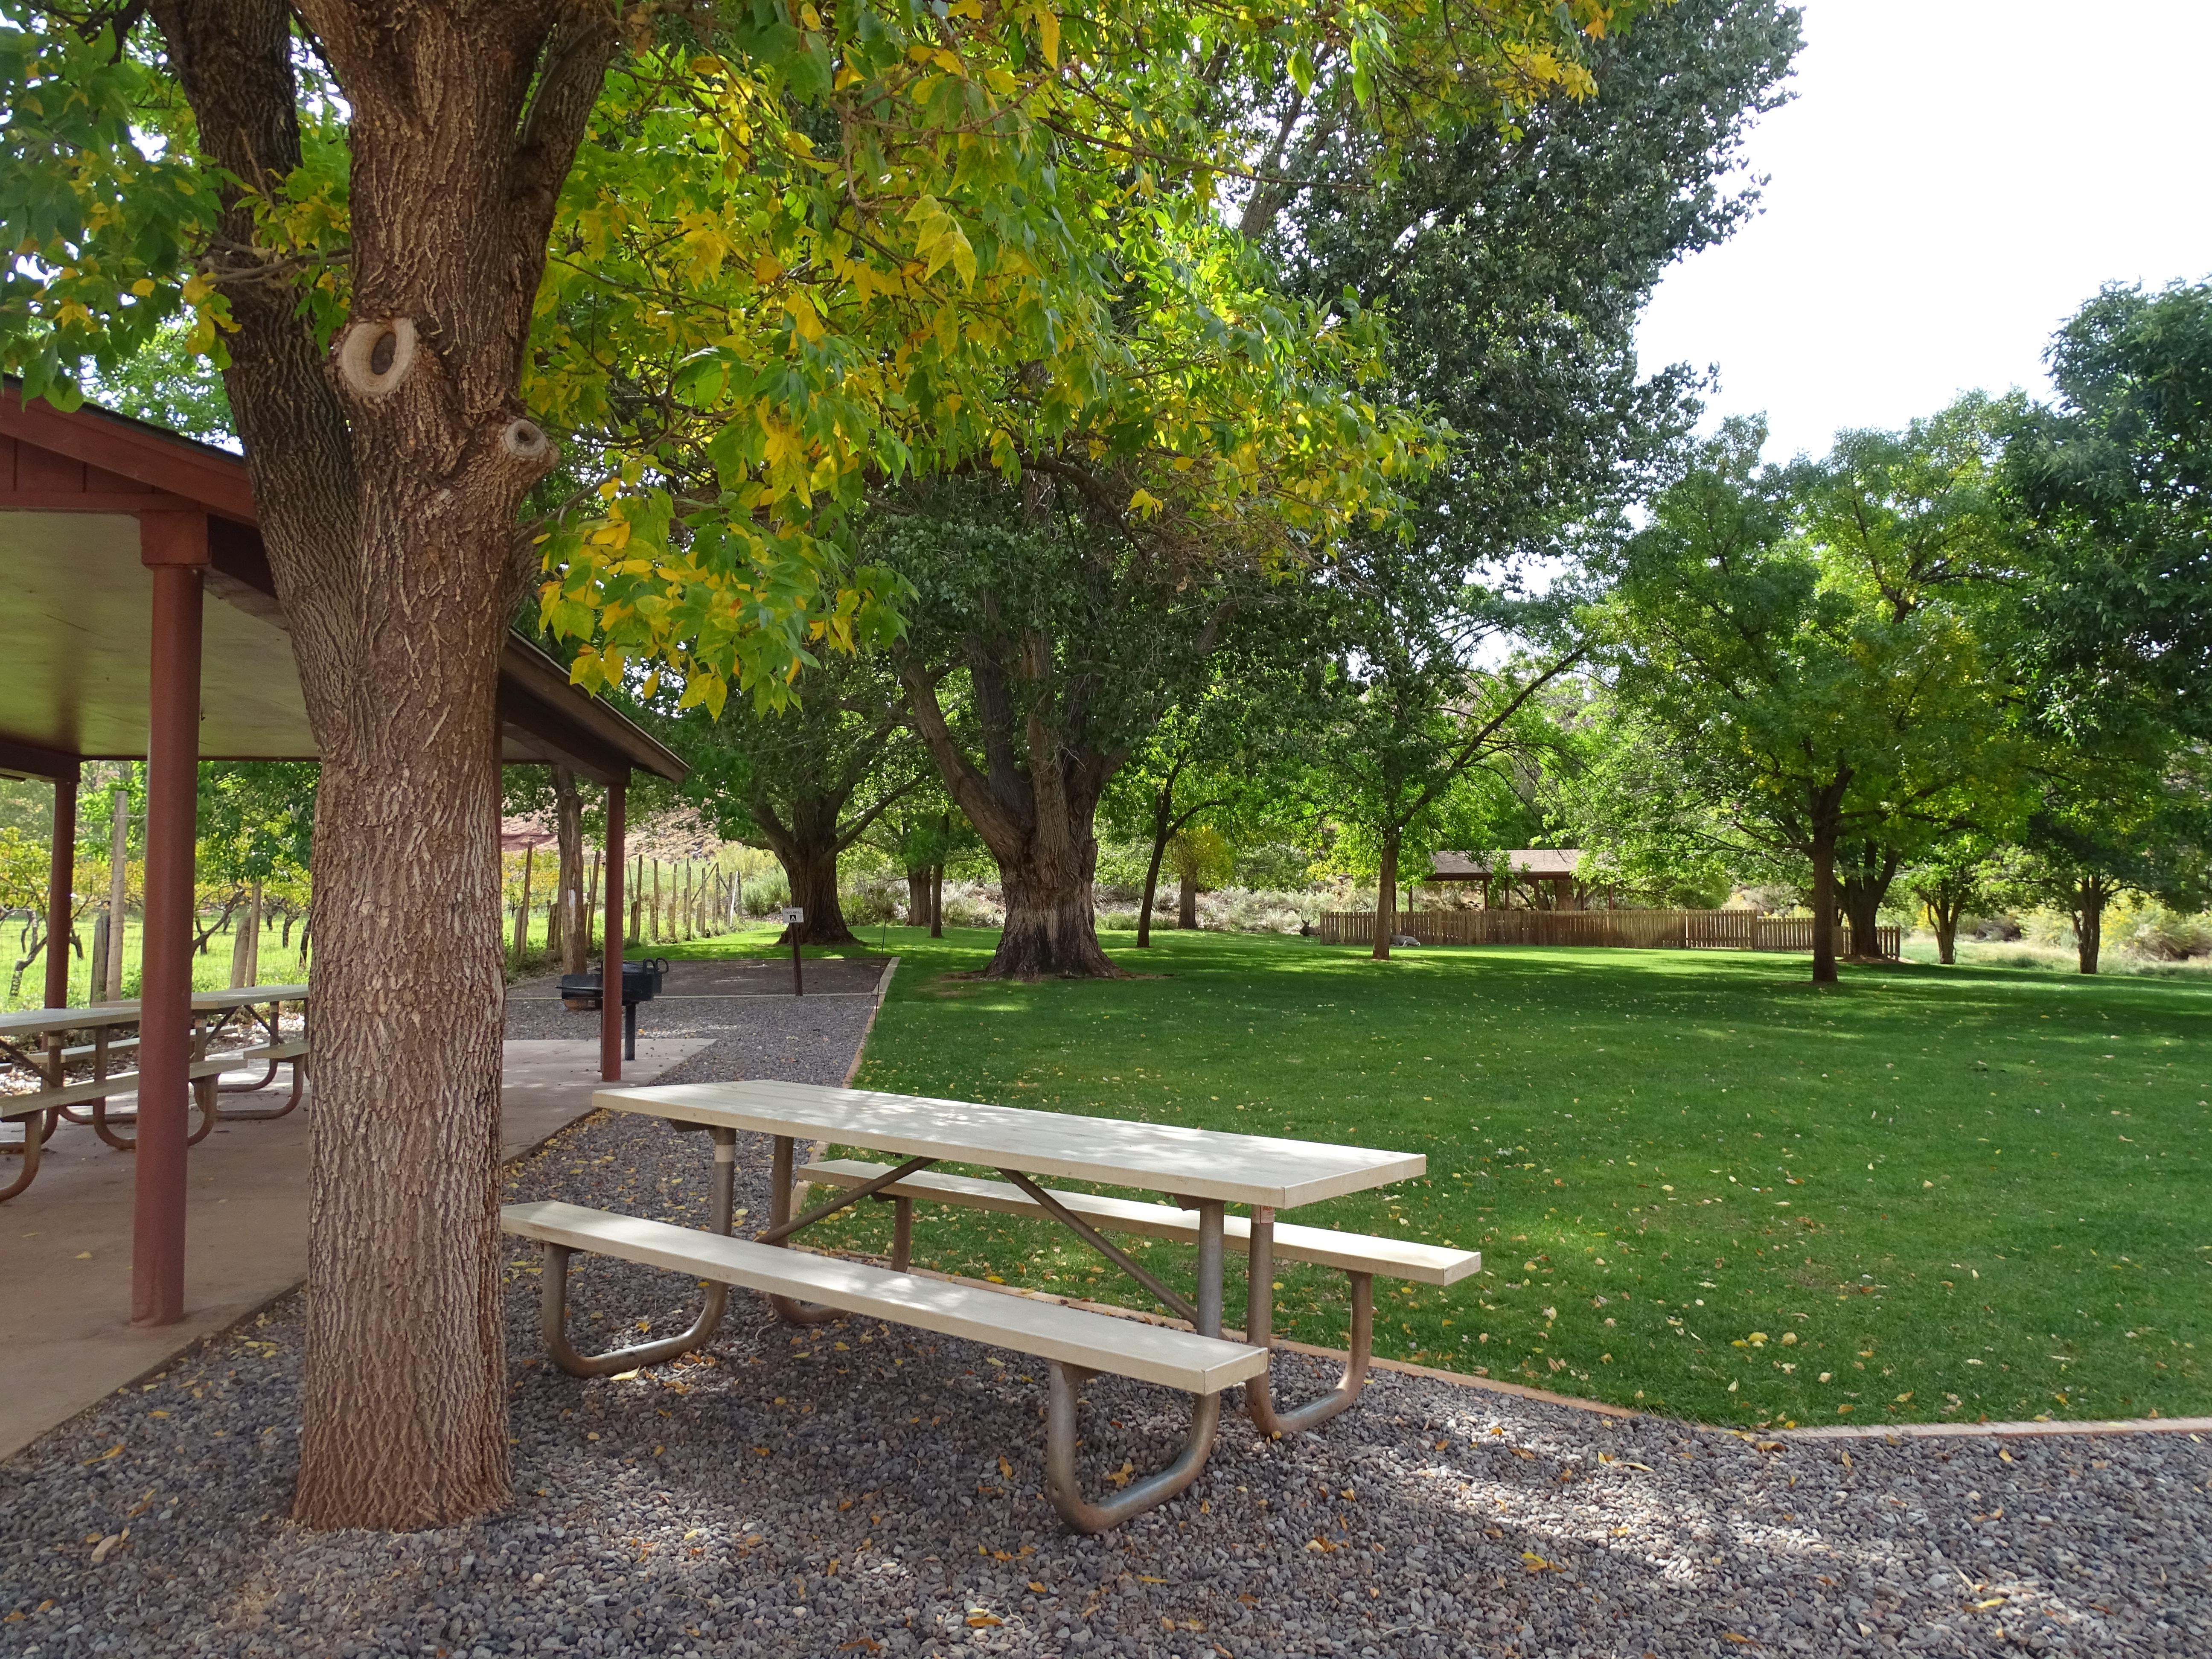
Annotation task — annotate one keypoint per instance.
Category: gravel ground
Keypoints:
(863, 1489)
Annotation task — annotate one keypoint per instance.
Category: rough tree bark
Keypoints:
(387, 475)
(808, 832)
(1187, 897)
(1824, 821)
(1863, 887)
(1035, 809)
(1386, 896)
(2091, 895)
(937, 902)
(918, 895)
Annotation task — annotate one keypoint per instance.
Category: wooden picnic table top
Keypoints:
(1187, 1162)
(37, 1021)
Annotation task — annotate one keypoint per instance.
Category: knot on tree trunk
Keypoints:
(524, 442)
(375, 355)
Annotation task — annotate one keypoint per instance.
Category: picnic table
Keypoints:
(38, 1040)
(1202, 1172)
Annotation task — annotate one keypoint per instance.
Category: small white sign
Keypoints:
(794, 916)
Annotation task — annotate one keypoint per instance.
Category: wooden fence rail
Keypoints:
(1647, 930)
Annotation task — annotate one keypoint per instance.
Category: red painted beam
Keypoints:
(174, 548)
(61, 870)
(212, 479)
(610, 961)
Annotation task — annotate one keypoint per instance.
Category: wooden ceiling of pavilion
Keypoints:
(74, 670)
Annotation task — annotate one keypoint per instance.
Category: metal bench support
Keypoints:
(1065, 1392)
(1258, 1330)
(782, 1224)
(554, 1303)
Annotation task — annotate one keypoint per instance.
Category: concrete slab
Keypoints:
(65, 1245)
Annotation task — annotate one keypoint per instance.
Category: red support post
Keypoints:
(610, 963)
(61, 884)
(174, 546)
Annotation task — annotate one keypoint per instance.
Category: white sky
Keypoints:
(1955, 177)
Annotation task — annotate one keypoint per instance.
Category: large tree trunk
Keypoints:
(937, 902)
(2090, 897)
(1386, 897)
(1863, 886)
(1824, 902)
(917, 896)
(1051, 924)
(1035, 813)
(806, 843)
(387, 475)
(1187, 899)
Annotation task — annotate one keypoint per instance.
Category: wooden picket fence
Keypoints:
(1644, 930)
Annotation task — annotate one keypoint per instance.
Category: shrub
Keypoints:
(767, 893)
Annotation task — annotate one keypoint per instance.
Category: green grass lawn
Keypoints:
(1698, 1186)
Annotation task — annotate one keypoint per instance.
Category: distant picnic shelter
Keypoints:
(1549, 872)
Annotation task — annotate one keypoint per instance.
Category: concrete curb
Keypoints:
(1893, 1433)
(2030, 1431)
(861, 1048)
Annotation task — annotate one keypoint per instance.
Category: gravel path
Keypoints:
(862, 1489)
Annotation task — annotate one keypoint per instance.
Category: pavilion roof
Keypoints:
(1553, 861)
(72, 674)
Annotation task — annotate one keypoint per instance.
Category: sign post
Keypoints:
(794, 919)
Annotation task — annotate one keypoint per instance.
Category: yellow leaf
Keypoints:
(1048, 22)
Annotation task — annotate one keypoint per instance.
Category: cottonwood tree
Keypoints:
(358, 224)
(2115, 480)
(1410, 720)
(1800, 700)
(1069, 639)
(807, 781)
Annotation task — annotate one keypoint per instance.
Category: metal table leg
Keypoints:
(790, 1309)
(1062, 1484)
(1259, 1323)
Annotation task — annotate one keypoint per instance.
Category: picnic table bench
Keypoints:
(1202, 1170)
(37, 1040)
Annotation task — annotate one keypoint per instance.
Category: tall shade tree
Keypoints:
(1409, 723)
(807, 781)
(1069, 631)
(2116, 479)
(1791, 694)
(831, 233)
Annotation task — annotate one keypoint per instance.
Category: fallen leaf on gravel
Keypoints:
(1730, 1636)
(113, 1451)
(1005, 1468)
(1994, 1602)
(1322, 1545)
(982, 1620)
(865, 1643)
(1121, 1476)
(1038, 1587)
